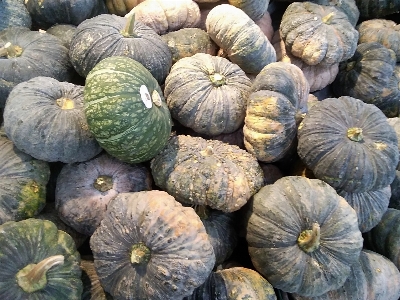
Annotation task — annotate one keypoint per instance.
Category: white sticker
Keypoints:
(145, 95)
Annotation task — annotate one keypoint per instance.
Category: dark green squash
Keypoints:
(148, 246)
(14, 13)
(126, 110)
(38, 262)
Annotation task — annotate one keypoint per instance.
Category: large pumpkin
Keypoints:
(126, 110)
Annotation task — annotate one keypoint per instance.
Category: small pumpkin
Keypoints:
(47, 264)
(126, 110)
(13, 14)
(148, 246)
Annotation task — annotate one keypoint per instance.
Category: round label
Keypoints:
(145, 95)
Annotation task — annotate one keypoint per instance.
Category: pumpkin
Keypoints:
(278, 93)
(206, 172)
(110, 35)
(370, 9)
(13, 14)
(385, 236)
(369, 75)
(234, 284)
(25, 54)
(64, 32)
(23, 181)
(187, 42)
(46, 13)
(349, 144)
(121, 7)
(165, 15)
(65, 136)
(92, 289)
(126, 110)
(255, 9)
(83, 190)
(331, 39)
(243, 41)
(46, 265)
(265, 24)
(302, 236)
(207, 94)
(394, 201)
(148, 246)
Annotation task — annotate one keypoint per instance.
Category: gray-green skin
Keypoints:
(235, 283)
(176, 255)
(279, 213)
(373, 9)
(369, 206)
(64, 32)
(207, 172)
(38, 125)
(308, 36)
(349, 165)
(207, 104)
(81, 200)
(23, 181)
(14, 13)
(372, 76)
(243, 41)
(101, 37)
(35, 240)
(43, 55)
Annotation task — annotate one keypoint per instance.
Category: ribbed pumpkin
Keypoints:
(38, 261)
(148, 246)
(14, 13)
(110, 35)
(126, 110)
(302, 236)
(349, 144)
(207, 93)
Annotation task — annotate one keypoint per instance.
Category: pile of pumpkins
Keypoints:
(199, 149)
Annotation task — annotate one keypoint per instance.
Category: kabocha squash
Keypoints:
(207, 93)
(206, 172)
(255, 9)
(64, 32)
(369, 75)
(83, 190)
(302, 236)
(234, 284)
(121, 7)
(278, 94)
(45, 266)
(165, 15)
(23, 181)
(110, 35)
(148, 246)
(370, 9)
(242, 39)
(126, 110)
(318, 34)
(25, 54)
(65, 135)
(349, 144)
(14, 13)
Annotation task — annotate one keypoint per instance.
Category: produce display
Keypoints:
(199, 149)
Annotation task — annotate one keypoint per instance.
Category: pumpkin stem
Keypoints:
(328, 18)
(103, 183)
(33, 278)
(129, 26)
(355, 134)
(207, 152)
(156, 98)
(65, 103)
(217, 79)
(140, 254)
(10, 51)
(308, 240)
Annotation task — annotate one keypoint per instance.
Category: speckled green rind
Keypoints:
(116, 114)
(100, 37)
(372, 9)
(29, 242)
(278, 214)
(384, 238)
(181, 255)
(207, 172)
(369, 206)
(255, 9)
(307, 36)
(345, 164)
(242, 39)
(42, 129)
(236, 283)
(23, 181)
(198, 104)
(371, 76)
(14, 13)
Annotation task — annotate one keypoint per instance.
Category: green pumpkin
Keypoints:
(126, 110)
(38, 261)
